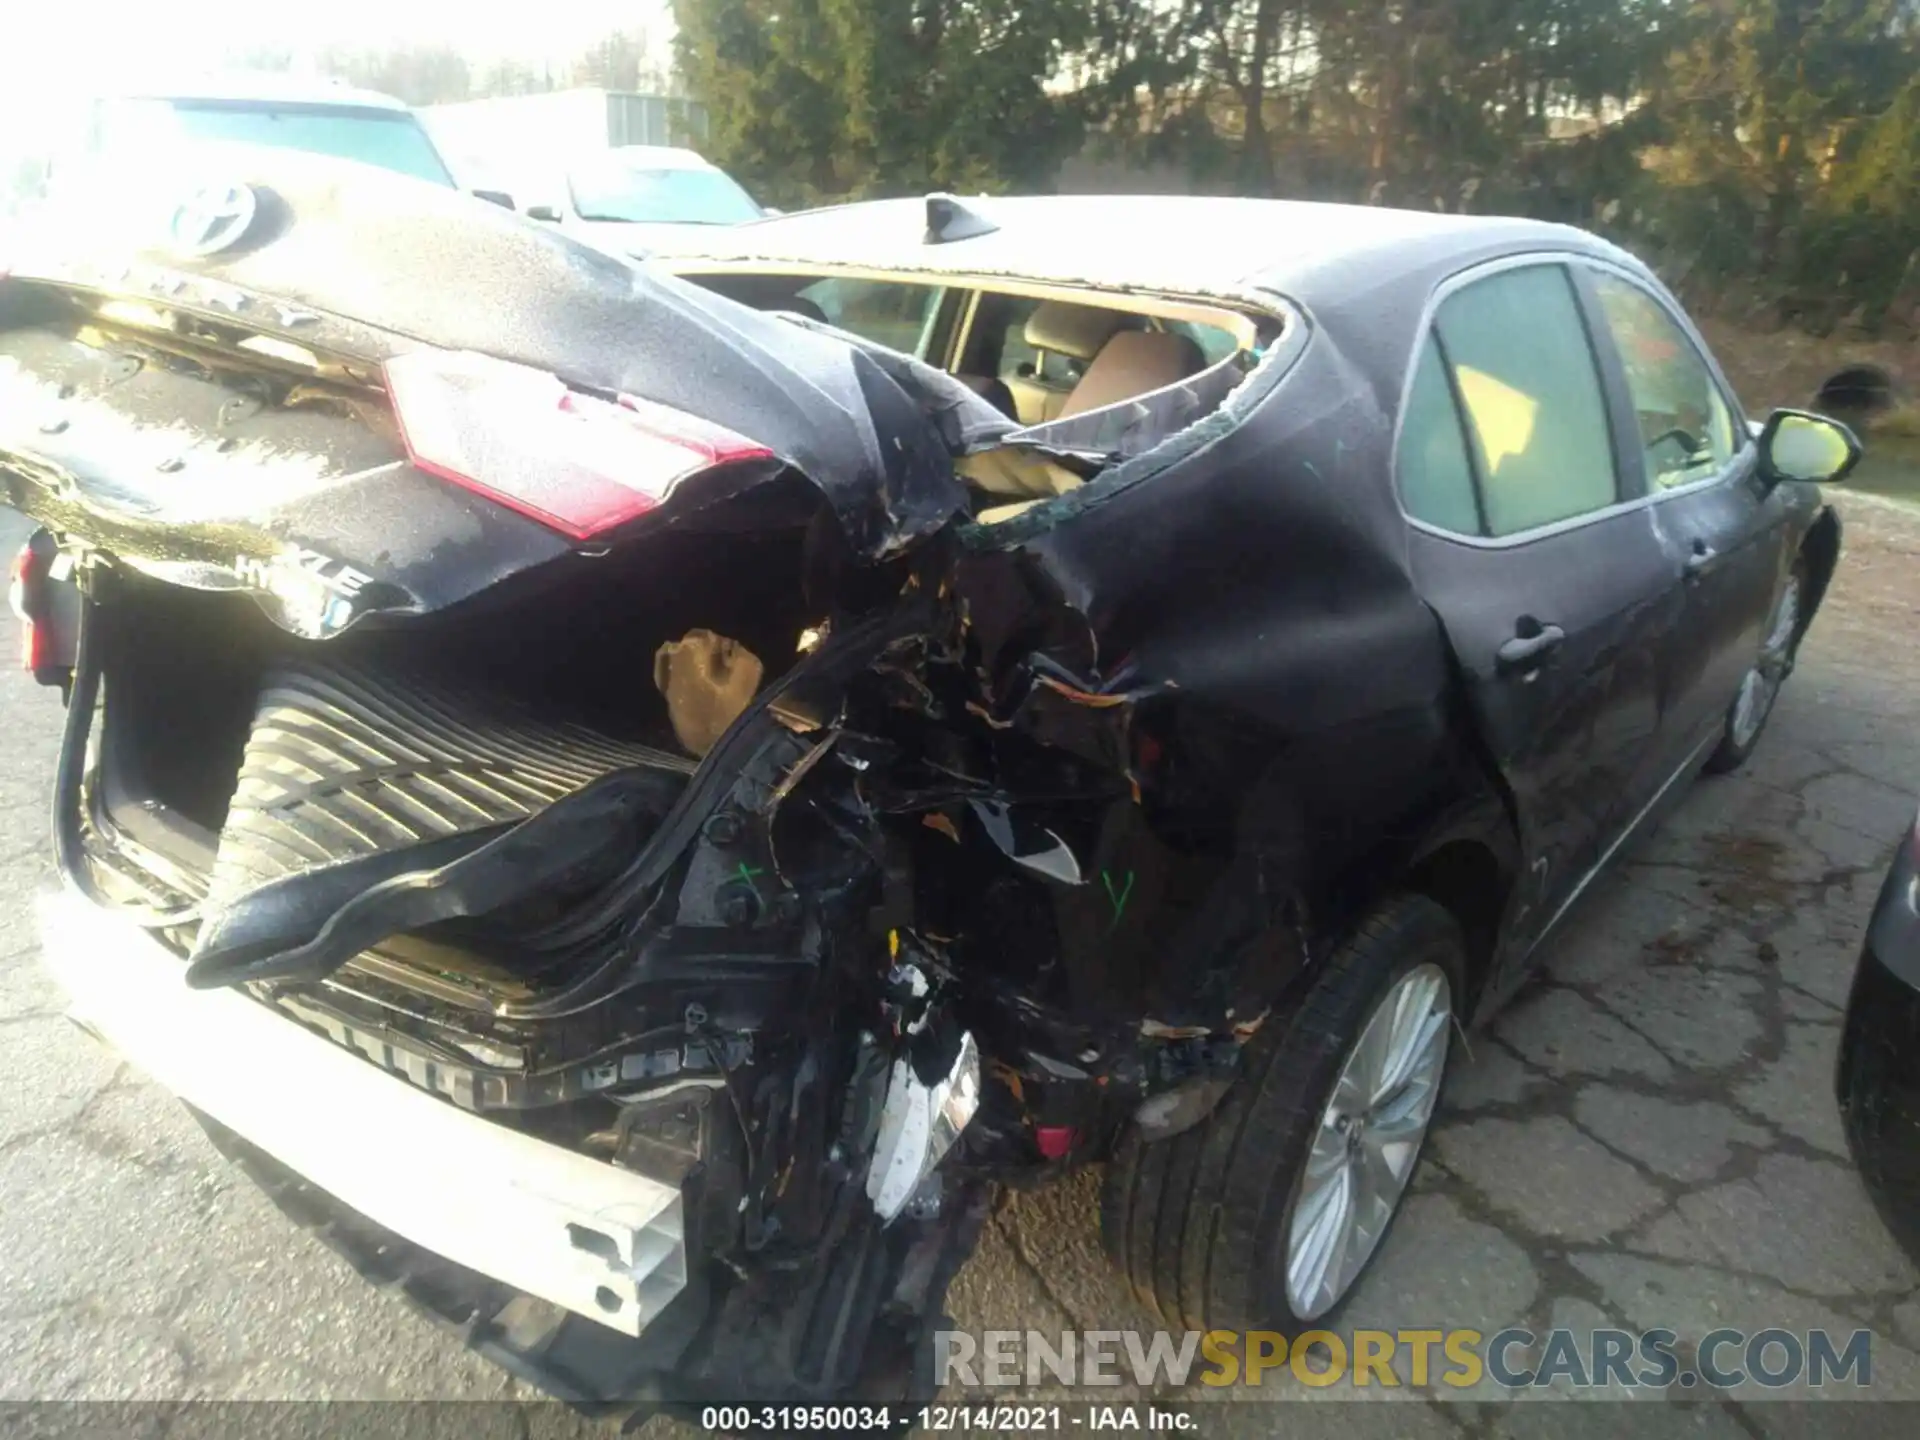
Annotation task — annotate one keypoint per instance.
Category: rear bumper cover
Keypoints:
(605, 1243)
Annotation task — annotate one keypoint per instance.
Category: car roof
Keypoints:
(1195, 245)
(249, 87)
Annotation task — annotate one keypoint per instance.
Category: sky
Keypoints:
(52, 45)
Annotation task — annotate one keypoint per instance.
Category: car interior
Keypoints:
(1035, 357)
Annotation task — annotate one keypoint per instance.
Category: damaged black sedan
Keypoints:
(632, 800)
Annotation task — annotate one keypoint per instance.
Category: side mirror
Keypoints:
(543, 212)
(495, 197)
(1799, 445)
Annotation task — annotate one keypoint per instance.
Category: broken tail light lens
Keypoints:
(29, 570)
(574, 462)
(41, 594)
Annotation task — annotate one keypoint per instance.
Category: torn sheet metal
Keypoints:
(919, 1125)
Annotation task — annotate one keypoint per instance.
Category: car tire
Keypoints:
(1752, 706)
(1202, 1224)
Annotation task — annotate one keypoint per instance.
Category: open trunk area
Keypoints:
(230, 755)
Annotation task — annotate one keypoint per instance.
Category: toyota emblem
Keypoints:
(212, 220)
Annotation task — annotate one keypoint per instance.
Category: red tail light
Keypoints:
(579, 464)
(1055, 1141)
(28, 573)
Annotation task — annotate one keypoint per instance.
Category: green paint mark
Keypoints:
(1117, 900)
(747, 872)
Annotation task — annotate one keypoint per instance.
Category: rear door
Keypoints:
(1688, 440)
(1553, 588)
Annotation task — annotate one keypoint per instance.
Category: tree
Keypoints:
(766, 71)
(417, 74)
(512, 77)
(813, 99)
(624, 60)
(1774, 142)
(264, 57)
(952, 94)
(1418, 102)
(1792, 158)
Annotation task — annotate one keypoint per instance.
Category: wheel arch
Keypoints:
(1820, 550)
(1469, 869)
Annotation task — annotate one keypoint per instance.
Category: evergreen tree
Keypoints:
(815, 99)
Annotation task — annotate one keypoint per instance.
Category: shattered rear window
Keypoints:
(1215, 343)
(1134, 426)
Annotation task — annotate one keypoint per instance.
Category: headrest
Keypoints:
(1062, 328)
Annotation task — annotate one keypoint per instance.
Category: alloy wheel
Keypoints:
(1369, 1137)
(1761, 685)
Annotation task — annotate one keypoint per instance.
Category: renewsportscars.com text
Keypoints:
(1515, 1358)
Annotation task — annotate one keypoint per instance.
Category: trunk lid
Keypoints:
(206, 399)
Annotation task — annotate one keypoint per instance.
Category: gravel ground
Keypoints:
(1646, 1137)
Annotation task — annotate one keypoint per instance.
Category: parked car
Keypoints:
(632, 812)
(139, 133)
(578, 120)
(1878, 1078)
(634, 199)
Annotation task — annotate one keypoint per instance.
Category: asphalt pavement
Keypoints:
(1646, 1138)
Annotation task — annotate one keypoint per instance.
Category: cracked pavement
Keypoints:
(1645, 1137)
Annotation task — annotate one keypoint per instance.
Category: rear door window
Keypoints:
(888, 312)
(1435, 475)
(1018, 359)
(1007, 314)
(997, 348)
(1529, 391)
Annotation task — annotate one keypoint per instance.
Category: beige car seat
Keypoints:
(1131, 363)
(1122, 364)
